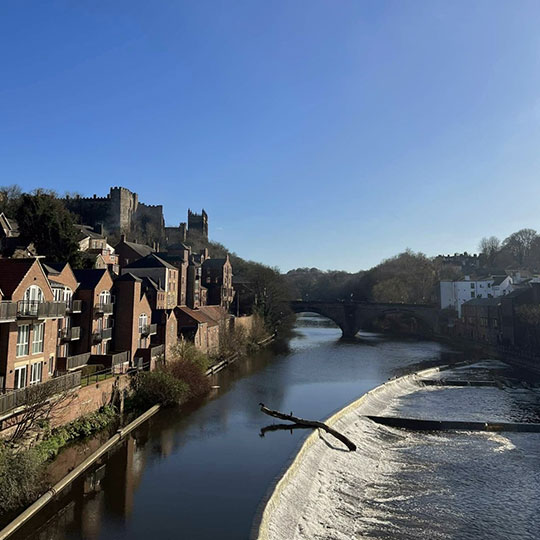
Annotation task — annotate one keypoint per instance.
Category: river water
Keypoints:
(203, 473)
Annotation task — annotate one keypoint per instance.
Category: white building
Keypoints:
(455, 293)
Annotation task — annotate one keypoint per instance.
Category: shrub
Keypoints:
(186, 363)
(158, 387)
(21, 478)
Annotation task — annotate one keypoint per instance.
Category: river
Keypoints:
(203, 472)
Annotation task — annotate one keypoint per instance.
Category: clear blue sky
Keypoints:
(315, 133)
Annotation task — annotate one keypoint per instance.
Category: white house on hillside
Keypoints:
(455, 293)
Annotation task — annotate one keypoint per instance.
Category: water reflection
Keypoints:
(201, 473)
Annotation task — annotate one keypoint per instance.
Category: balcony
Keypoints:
(70, 334)
(34, 309)
(102, 335)
(157, 350)
(104, 308)
(75, 306)
(69, 363)
(8, 312)
(148, 330)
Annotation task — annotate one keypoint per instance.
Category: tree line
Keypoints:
(411, 277)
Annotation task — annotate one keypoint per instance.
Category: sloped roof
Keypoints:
(214, 263)
(150, 261)
(149, 283)
(141, 249)
(12, 272)
(89, 278)
(497, 280)
(86, 231)
(483, 302)
(197, 315)
(216, 313)
(128, 276)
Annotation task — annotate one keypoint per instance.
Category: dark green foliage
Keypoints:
(157, 387)
(187, 364)
(21, 478)
(22, 471)
(80, 428)
(44, 220)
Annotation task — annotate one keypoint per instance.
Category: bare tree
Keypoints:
(520, 243)
(489, 247)
(41, 403)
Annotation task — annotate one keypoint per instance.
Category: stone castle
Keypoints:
(121, 212)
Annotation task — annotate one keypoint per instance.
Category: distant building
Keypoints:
(461, 262)
(520, 313)
(217, 277)
(480, 320)
(196, 226)
(10, 242)
(96, 249)
(161, 272)
(129, 252)
(120, 212)
(455, 293)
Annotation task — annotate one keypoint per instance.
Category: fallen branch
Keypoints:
(284, 427)
(309, 423)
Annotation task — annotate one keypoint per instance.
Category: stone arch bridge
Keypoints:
(352, 316)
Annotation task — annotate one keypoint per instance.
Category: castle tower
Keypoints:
(198, 223)
(124, 204)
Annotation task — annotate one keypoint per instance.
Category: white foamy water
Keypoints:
(415, 485)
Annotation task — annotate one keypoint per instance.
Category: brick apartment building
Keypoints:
(29, 318)
(217, 277)
(96, 320)
(134, 328)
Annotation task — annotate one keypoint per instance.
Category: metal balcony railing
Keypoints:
(77, 360)
(157, 350)
(75, 306)
(148, 329)
(105, 308)
(104, 333)
(8, 311)
(40, 310)
(70, 334)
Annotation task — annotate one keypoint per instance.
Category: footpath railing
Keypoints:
(42, 391)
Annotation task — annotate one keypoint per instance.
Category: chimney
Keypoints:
(99, 228)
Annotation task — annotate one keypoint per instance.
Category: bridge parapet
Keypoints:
(351, 316)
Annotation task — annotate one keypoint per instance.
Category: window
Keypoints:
(472, 294)
(58, 294)
(20, 377)
(472, 285)
(143, 322)
(68, 296)
(105, 297)
(23, 334)
(33, 294)
(37, 341)
(36, 372)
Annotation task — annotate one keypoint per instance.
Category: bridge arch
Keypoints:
(352, 316)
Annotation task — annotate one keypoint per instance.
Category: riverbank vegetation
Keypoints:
(22, 468)
(411, 277)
